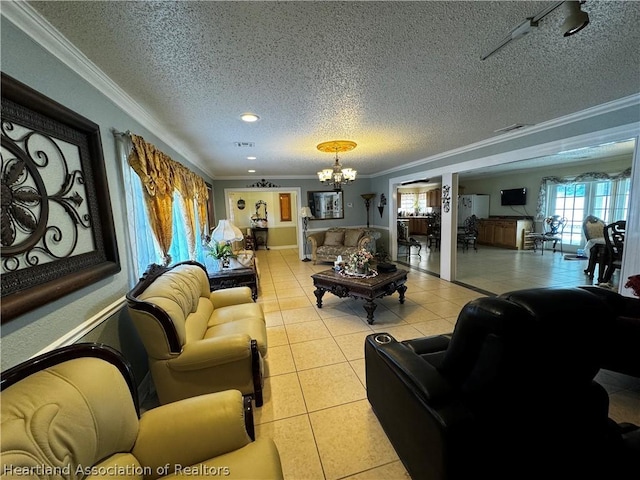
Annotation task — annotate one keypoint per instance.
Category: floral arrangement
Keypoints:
(359, 261)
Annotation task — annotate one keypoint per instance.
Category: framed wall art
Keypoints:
(57, 232)
(326, 205)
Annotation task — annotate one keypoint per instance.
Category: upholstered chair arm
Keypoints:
(366, 242)
(211, 352)
(231, 296)
(190, 431)
(418, 375)
(316, 239)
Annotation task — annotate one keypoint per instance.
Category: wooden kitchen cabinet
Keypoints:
(503, 232)
(417, 226)
(434, 197)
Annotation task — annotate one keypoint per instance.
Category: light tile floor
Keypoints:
(498, 270)
(315, 405)
(316, 408)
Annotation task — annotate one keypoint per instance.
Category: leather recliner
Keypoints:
(73, 413)
(198, 341)
(509, 394)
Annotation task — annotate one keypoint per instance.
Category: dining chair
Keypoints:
(614, 240)
(405, 241)
(593, 231)
(553, 227)
(468, 234)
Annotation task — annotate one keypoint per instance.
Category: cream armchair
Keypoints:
(73, 413)
(198, 341)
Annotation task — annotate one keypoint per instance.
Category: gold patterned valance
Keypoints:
(160, 175)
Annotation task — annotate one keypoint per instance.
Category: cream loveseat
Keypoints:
(198, 341)
(74, 413)
(327, 245)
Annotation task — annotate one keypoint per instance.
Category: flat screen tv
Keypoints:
(513, 196)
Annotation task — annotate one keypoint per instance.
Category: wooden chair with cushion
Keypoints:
(468, 234)
(593, 230)
(406, 242)
(614, 240)
(553, 227)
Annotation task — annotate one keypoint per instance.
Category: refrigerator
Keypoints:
(468, 205)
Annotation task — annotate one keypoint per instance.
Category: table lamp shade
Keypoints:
(226, 232)
(305, 212)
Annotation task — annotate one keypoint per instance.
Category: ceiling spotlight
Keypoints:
(576, 19)
(251, 171)
(251, 158)
(249, 117)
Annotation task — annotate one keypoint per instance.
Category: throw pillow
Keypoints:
(334, 238)
(351, 237)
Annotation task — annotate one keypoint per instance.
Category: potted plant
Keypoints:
(222, 252)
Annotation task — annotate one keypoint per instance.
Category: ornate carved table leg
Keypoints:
(401, 290)
(370, 307)
(319, 292)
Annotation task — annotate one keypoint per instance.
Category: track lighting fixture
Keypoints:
(575, 21)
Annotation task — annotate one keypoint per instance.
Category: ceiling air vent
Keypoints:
(511, 128)
(244, 144)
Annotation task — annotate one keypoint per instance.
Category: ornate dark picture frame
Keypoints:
(57, 232)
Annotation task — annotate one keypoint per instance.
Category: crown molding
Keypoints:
(27, 19)
(619, 104)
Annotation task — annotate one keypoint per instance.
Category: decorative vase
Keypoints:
(213, 264)
(361, 270)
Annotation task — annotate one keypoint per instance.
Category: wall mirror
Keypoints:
(326, 205)
(261, 210)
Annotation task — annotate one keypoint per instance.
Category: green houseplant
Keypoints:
(221, 251)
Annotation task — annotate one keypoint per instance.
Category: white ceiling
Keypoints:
(402, 79)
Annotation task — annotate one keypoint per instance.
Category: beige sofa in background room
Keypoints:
(327, 245)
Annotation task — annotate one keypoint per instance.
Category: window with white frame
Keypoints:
(607, 199)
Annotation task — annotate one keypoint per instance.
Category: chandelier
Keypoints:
(337, 176)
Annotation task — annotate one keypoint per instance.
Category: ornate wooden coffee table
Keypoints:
(356, 287)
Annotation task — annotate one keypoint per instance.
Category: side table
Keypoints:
(234, 277)
(261, 236)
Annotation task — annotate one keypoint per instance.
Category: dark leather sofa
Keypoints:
(620, 340)
(509, 394)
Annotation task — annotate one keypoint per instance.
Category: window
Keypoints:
(145, 248)
(409, 202)
(606, 199)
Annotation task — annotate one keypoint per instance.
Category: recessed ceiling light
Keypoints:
(251, 171)
(251, 158)
(249, 117)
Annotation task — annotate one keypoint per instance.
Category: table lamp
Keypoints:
(226, 232)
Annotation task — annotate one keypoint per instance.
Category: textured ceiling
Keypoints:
(402, 79)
